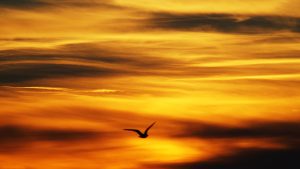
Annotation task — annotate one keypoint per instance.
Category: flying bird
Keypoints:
(141, 135)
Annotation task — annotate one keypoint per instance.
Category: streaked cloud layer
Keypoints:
(220, 78)
(226, 23)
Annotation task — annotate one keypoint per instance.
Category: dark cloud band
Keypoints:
(245, 159)
(33, 4)
(16, 73)
(22, 3)
(14, 137)
(225, 23)
(285, 130)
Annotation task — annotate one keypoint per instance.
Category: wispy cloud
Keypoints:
(14, 137)
(93, 60)
(16, 73)
(51, 4)
(277, 130)
(23, 4)
(226, 23)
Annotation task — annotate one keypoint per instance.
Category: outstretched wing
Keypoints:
(146, 131)
(135, 130)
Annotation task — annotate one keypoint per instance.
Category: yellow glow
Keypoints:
(163, 150)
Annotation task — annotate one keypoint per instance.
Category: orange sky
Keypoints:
(221, 78)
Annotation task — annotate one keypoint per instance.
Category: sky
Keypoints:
(220, 79)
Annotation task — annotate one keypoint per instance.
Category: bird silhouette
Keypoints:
(141, 135)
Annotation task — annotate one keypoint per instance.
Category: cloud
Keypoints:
(77, 60)
(105, 61)
(83, 52)
(281, 39)
(97, 60)
(30, 4)
(102, 128)
(245, 159)
(16, 133)
(225, 23)
(22, 72)
(22, 3)
(282, 130)
(22, 66)
(107, 4)
(99, 52)
(14, 137)
(286, 133)
(29, 39)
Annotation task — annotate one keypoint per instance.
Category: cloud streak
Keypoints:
(94, 60)
(281, 130)
(52, 4)
(76, 60)
(246, 159)
(225, 23)
(15, 137)
(23, 4)
(18, 73)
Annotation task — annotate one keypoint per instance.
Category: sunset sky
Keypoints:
(221, 78)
